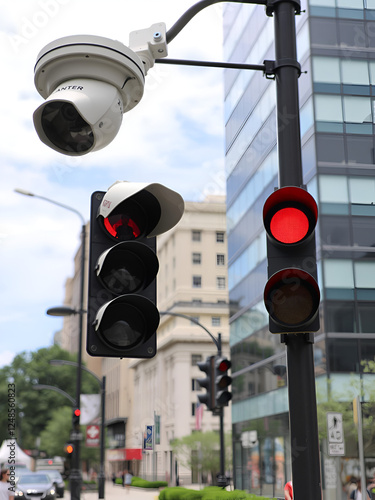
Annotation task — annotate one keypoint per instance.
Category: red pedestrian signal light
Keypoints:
(291, 294)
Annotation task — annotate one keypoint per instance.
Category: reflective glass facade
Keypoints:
(336, 50)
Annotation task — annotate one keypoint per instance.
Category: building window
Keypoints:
(220, 259)
(196, 235)
(219, 236)
(197, 281)
(193, 409)
(195, 358)
(197, 258)
(220, 282)
(215, 321)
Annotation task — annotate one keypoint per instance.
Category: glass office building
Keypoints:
(336, 50)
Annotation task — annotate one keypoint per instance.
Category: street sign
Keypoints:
(336, 449)
(92, 436)
(335, 429)
(148, 438)
(75, 436)
(335, 434)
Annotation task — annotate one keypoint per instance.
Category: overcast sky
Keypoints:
(174, 137)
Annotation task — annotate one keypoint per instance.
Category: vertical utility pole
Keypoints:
(300, 360)
(222, 480)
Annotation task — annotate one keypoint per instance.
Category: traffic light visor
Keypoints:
(133, 218)
(127, 267)
(290, 215)
(292, 298)
(127, 321)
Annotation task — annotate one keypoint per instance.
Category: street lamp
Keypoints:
(75, 476)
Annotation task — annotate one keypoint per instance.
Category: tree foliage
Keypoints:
(34, 408)
(332, 399)
(203, 448)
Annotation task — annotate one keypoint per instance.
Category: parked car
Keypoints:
(56, 479)
(35, 485)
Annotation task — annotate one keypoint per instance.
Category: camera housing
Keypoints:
(88, 83)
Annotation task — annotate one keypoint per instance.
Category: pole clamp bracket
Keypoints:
(270, 6)
(271, 67)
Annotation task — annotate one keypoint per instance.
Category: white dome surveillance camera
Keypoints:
(88, 83)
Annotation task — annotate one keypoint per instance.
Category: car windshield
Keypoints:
(34, 479)
(54, 474)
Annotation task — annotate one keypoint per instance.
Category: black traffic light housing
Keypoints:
(125, 220)
(222, 381)
(76, 419)
(291, 294)
(208, 383)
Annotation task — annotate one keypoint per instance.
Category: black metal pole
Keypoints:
(75, 475)
(301, 377)
(101, 478)
(222, 480)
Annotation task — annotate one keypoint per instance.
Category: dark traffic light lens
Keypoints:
(124, 277)
(289, 225)
(124, 326)
(128, 321)
(292, 298)
(65, 127)
(127, 267)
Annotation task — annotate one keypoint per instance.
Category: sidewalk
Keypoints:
(112, 492)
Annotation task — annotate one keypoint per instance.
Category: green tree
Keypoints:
(34, 408)
(331, 399)
(203, 448)
(57, 432)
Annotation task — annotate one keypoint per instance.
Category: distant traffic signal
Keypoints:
(69, 449)
(76, 418)
(122, 313)
(208, 383)
(291, 294)
(222, 381)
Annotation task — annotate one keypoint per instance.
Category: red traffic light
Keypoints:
(224, 365)
(290, 215)
(77, 412)
(291, 295)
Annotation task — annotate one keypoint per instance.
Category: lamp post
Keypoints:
(102, 383)
(75, 475)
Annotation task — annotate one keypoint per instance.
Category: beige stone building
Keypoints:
(192, 281)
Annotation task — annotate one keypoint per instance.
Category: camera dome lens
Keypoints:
(69, 112)
(65, 127)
